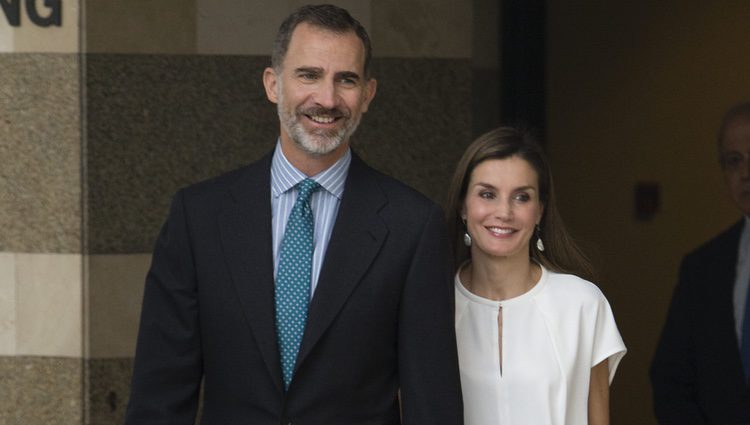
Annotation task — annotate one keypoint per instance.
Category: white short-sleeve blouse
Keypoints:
(552, 336)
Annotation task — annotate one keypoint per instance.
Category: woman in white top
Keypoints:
(537, 344)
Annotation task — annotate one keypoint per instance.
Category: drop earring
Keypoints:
(539, 243)
(467, 236)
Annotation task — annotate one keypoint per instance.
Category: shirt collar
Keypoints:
(285, 176)
(744, 241)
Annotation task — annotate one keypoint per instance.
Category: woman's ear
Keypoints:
(541, 215)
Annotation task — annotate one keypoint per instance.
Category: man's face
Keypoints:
(735, 159)
(321, 91)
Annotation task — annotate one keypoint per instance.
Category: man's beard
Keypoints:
(317, 142)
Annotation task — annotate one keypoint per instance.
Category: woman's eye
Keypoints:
(523, 197)
(487, 195)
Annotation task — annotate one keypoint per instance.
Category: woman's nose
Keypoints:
(504, 210)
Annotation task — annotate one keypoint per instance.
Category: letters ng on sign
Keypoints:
(53, 15)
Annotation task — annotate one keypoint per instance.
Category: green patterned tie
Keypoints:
(293, 278)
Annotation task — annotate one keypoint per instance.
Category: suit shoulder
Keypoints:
(717, 246)
(209, 189)
(401, 193)
(221, 180)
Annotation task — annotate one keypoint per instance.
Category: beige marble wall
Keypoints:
(422, 28)
(42, 391)
(7, 35)
(108, 389)
(41, 373)
(41, 316)
(248, 28)
(409, 28)
(115, 294)
(398, 28)
(43, 381)
(140, 26)
(40, 153)
(40, 194)
(49, 309)
(7, 304)
(29, 37)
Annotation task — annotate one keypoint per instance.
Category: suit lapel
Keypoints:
(726, 271)
(356, 239)
(246, 237)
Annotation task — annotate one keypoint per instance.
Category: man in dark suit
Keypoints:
(222, 303)
(701, 368)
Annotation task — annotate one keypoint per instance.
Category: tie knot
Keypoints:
(306, 188)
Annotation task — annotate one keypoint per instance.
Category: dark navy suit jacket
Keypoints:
(380, 321)
(696, 373)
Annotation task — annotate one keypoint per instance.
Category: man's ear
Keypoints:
(371, 87)
(270, 80)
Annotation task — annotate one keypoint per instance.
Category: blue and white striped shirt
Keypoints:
(324, 203)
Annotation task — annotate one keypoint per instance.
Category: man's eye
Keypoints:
(731, 161)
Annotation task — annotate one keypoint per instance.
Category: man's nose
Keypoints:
(326, 94)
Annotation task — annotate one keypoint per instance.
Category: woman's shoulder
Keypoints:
(567, 286)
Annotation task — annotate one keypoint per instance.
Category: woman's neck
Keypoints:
(500, 279)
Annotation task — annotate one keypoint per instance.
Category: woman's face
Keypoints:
(502, 207)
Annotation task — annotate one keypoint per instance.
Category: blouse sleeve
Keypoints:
(607, 342)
